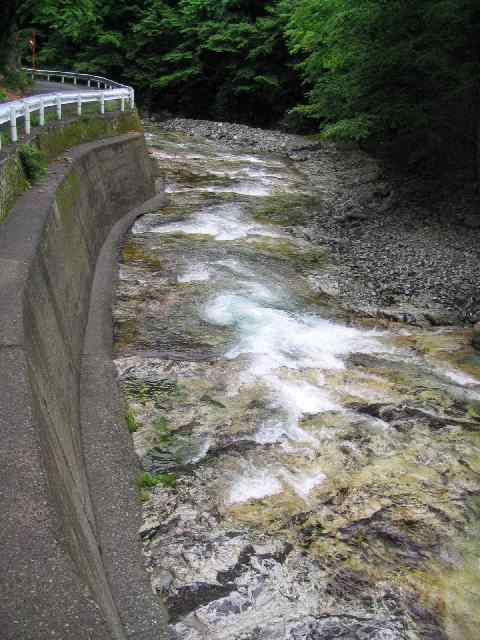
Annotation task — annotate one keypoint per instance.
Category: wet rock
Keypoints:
(476, 336)
(352, 216)
(405, 313)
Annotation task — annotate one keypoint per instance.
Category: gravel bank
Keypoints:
(401, 249)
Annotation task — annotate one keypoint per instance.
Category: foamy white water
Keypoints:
(241, 187)
(301, 482)
(222, 223)
(277, 341)
(281, 338)
(259, 484)
(458, 377)
(197, 273)
(254, 486)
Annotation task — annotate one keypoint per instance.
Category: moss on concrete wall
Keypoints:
(53, 140)
(12, 184)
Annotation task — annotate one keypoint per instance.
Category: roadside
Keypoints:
(401, 249)
(14, 86)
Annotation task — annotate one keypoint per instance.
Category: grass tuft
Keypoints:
(131, 421)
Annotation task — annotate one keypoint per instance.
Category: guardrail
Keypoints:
(100, 90)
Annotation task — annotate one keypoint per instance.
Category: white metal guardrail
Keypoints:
(101, 90)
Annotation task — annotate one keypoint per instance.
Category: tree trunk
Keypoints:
(8, 36)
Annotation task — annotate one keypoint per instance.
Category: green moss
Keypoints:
(473, 412)
(146, 480)
(29, 161)
(159, 392)
(13, 182)
(126, 333)
(289, 251)
(54, 140)
(133, 253)
(144, 496)
(68, 192)
(287, 209)
(163, 435)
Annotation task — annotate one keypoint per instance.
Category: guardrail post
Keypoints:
(48, 77)
(74, 79)
(102, 103)
(59, 107)
(13, 124)
(62, 79)
(79, 105)
(42, 112)
(89, 83)
(26, 111)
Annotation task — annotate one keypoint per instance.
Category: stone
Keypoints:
(476, 335)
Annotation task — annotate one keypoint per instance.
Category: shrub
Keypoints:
(33, 162)
(17, 81)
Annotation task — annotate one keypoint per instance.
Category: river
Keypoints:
(317, 472)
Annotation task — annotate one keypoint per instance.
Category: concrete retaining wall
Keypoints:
(53, 577)
(53, 139)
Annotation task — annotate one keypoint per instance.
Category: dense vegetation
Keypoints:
(373, 70)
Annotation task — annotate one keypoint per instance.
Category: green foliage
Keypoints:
(225, 59)
(33, 161)
(5, 136)
(17, 80)
(354, 69)
(131, 421)
(146, 480)
(382, 69)
(359, 128)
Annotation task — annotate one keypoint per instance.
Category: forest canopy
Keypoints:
(372, 70)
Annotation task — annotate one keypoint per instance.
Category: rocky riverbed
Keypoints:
(311, 465)
(398, 249)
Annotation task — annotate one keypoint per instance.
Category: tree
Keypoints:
(211, 59)
(9, 10)
(402, 68)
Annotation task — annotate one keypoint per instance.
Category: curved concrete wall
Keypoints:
(55, 581)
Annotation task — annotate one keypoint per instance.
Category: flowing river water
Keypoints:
(317, 473)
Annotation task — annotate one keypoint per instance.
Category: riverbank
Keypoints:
(396, 252)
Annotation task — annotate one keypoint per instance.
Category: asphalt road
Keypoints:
(42, 86)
